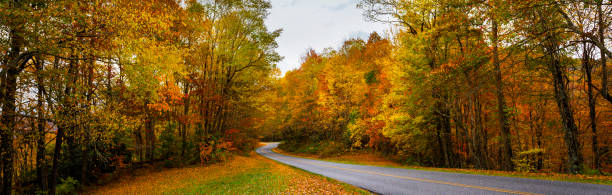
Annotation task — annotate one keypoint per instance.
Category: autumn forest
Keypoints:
(89, 88)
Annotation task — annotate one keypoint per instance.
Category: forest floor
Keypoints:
(364, 158)
(251, 174)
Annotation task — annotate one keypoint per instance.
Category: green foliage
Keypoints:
(332, 148)
(68, 186)
(300, 147)
(323, 148)
(169, 146)
(354, 116)
(370, 77)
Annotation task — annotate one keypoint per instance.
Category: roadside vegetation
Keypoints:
(252, 174)
(488, 85)
(89, 88)
(362, 157)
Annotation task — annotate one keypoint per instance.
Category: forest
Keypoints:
(496, 85)
(91, 87)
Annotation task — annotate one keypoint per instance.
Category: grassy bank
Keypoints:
(363, 158)
(252, 174)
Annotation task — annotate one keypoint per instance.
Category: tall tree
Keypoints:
(586, 65)
(542, 17)
(504, 123)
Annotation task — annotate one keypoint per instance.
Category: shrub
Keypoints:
(241, 140)
(332, 148)
(215, 151)
(525, 161)
(307, 148)
(67, 186)
(169, 149)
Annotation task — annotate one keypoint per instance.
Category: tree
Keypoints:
(550, 44)
(106, 75)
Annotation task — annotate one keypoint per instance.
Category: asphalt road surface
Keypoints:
(384, 180)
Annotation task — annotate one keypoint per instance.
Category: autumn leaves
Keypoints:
(476, 84)
(88, 83)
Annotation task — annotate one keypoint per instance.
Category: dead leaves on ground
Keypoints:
(171, 180)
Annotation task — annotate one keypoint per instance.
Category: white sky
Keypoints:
(316, 24)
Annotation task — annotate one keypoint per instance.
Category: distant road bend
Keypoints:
(384, 180)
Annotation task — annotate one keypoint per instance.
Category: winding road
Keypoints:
(385, 180)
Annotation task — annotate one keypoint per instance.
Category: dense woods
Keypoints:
(89, 87)
(503, 85)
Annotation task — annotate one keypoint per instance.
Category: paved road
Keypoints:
(384, 180)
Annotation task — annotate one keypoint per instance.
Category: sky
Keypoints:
(316, 24)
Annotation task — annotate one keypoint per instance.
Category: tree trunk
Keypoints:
(504, 124)
(139, 144)
(87, 126)
(109, 87)
(586, 65)
(538, 136)
(149, 134)
(480, 135)
(442, 123)
(68, 103)
(475, 118)
(41, 171)
(602, 39)
(474, 133)
(563, 103)
(447, 144)
(2, 77)
(8, 128)
(8, 108)
(150, 140)
(56, 153)
(185, 122)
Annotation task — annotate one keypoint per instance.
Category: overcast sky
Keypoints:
(316, 24)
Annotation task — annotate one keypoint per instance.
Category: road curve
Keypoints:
(384, 180)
